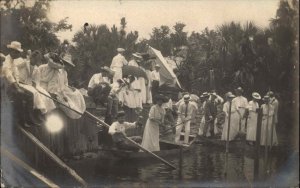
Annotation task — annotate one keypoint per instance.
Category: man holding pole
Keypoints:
(185, 111)
(210, 113)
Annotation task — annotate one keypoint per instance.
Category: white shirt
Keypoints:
(240, 102)
(96, 79)
(28, 73)
(118, 127)
(127, 97)
(10, 70)
(118, 62)
(155, 75)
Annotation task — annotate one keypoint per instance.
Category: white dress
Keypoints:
(267, 124)
(151, 131)
(234, 118)
(56, 81)
(252, 121)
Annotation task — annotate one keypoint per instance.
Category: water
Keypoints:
(202, 166)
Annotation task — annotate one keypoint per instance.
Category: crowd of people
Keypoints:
(37, 89)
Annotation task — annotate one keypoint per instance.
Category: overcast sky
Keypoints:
(142, 16)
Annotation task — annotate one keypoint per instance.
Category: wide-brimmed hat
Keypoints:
(186, 97)
(54, 61)
(16, 46)
(205, 94)
(239, 89)
(67, 58)
(229, 95)
(161, 97)
(120, 50)
(256, 95)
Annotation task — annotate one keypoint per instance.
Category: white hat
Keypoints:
(67, 58)
(256, 95)
(157, 65)
(186, 97)
(137, 55)
(15, 45)
(120, 50)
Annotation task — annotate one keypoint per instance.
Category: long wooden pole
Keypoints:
(165, 131)
(28, 168)
(228, 126)
(54, 157)
(106, 125)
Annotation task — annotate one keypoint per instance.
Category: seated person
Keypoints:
(117, 130)
(99, 85)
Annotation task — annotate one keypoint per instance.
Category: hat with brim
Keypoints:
(15, 45)
(157, 66)
(120, 50)
(266, 97)
(239, 89)
(54, 61)
(108, 70)
(160, 97)
(205, 94)
(214, 94)
(67, 59)
(186, 97)
(256, 95)
(137, 56)
(230, 95)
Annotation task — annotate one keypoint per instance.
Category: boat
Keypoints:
(167, 149)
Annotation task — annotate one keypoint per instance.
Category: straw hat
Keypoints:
(256, 95)
(15, 45)
(157, 65)
(266, 98)
(120, 50)
(270, 93)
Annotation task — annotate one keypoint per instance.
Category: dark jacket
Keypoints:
(210, 109)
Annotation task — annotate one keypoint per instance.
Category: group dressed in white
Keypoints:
(132, 90)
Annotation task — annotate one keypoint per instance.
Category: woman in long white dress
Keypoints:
(267, 124)
(156, 119)
(252, 118)
(54, 80)
(234, 117)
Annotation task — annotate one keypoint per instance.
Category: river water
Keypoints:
(202, 166)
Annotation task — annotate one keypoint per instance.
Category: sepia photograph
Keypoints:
(164, 93)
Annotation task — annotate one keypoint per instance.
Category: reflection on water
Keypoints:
(201, 166)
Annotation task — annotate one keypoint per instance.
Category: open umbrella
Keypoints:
(134, 71)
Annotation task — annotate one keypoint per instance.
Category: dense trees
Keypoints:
(29, 25)
(230, 55)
